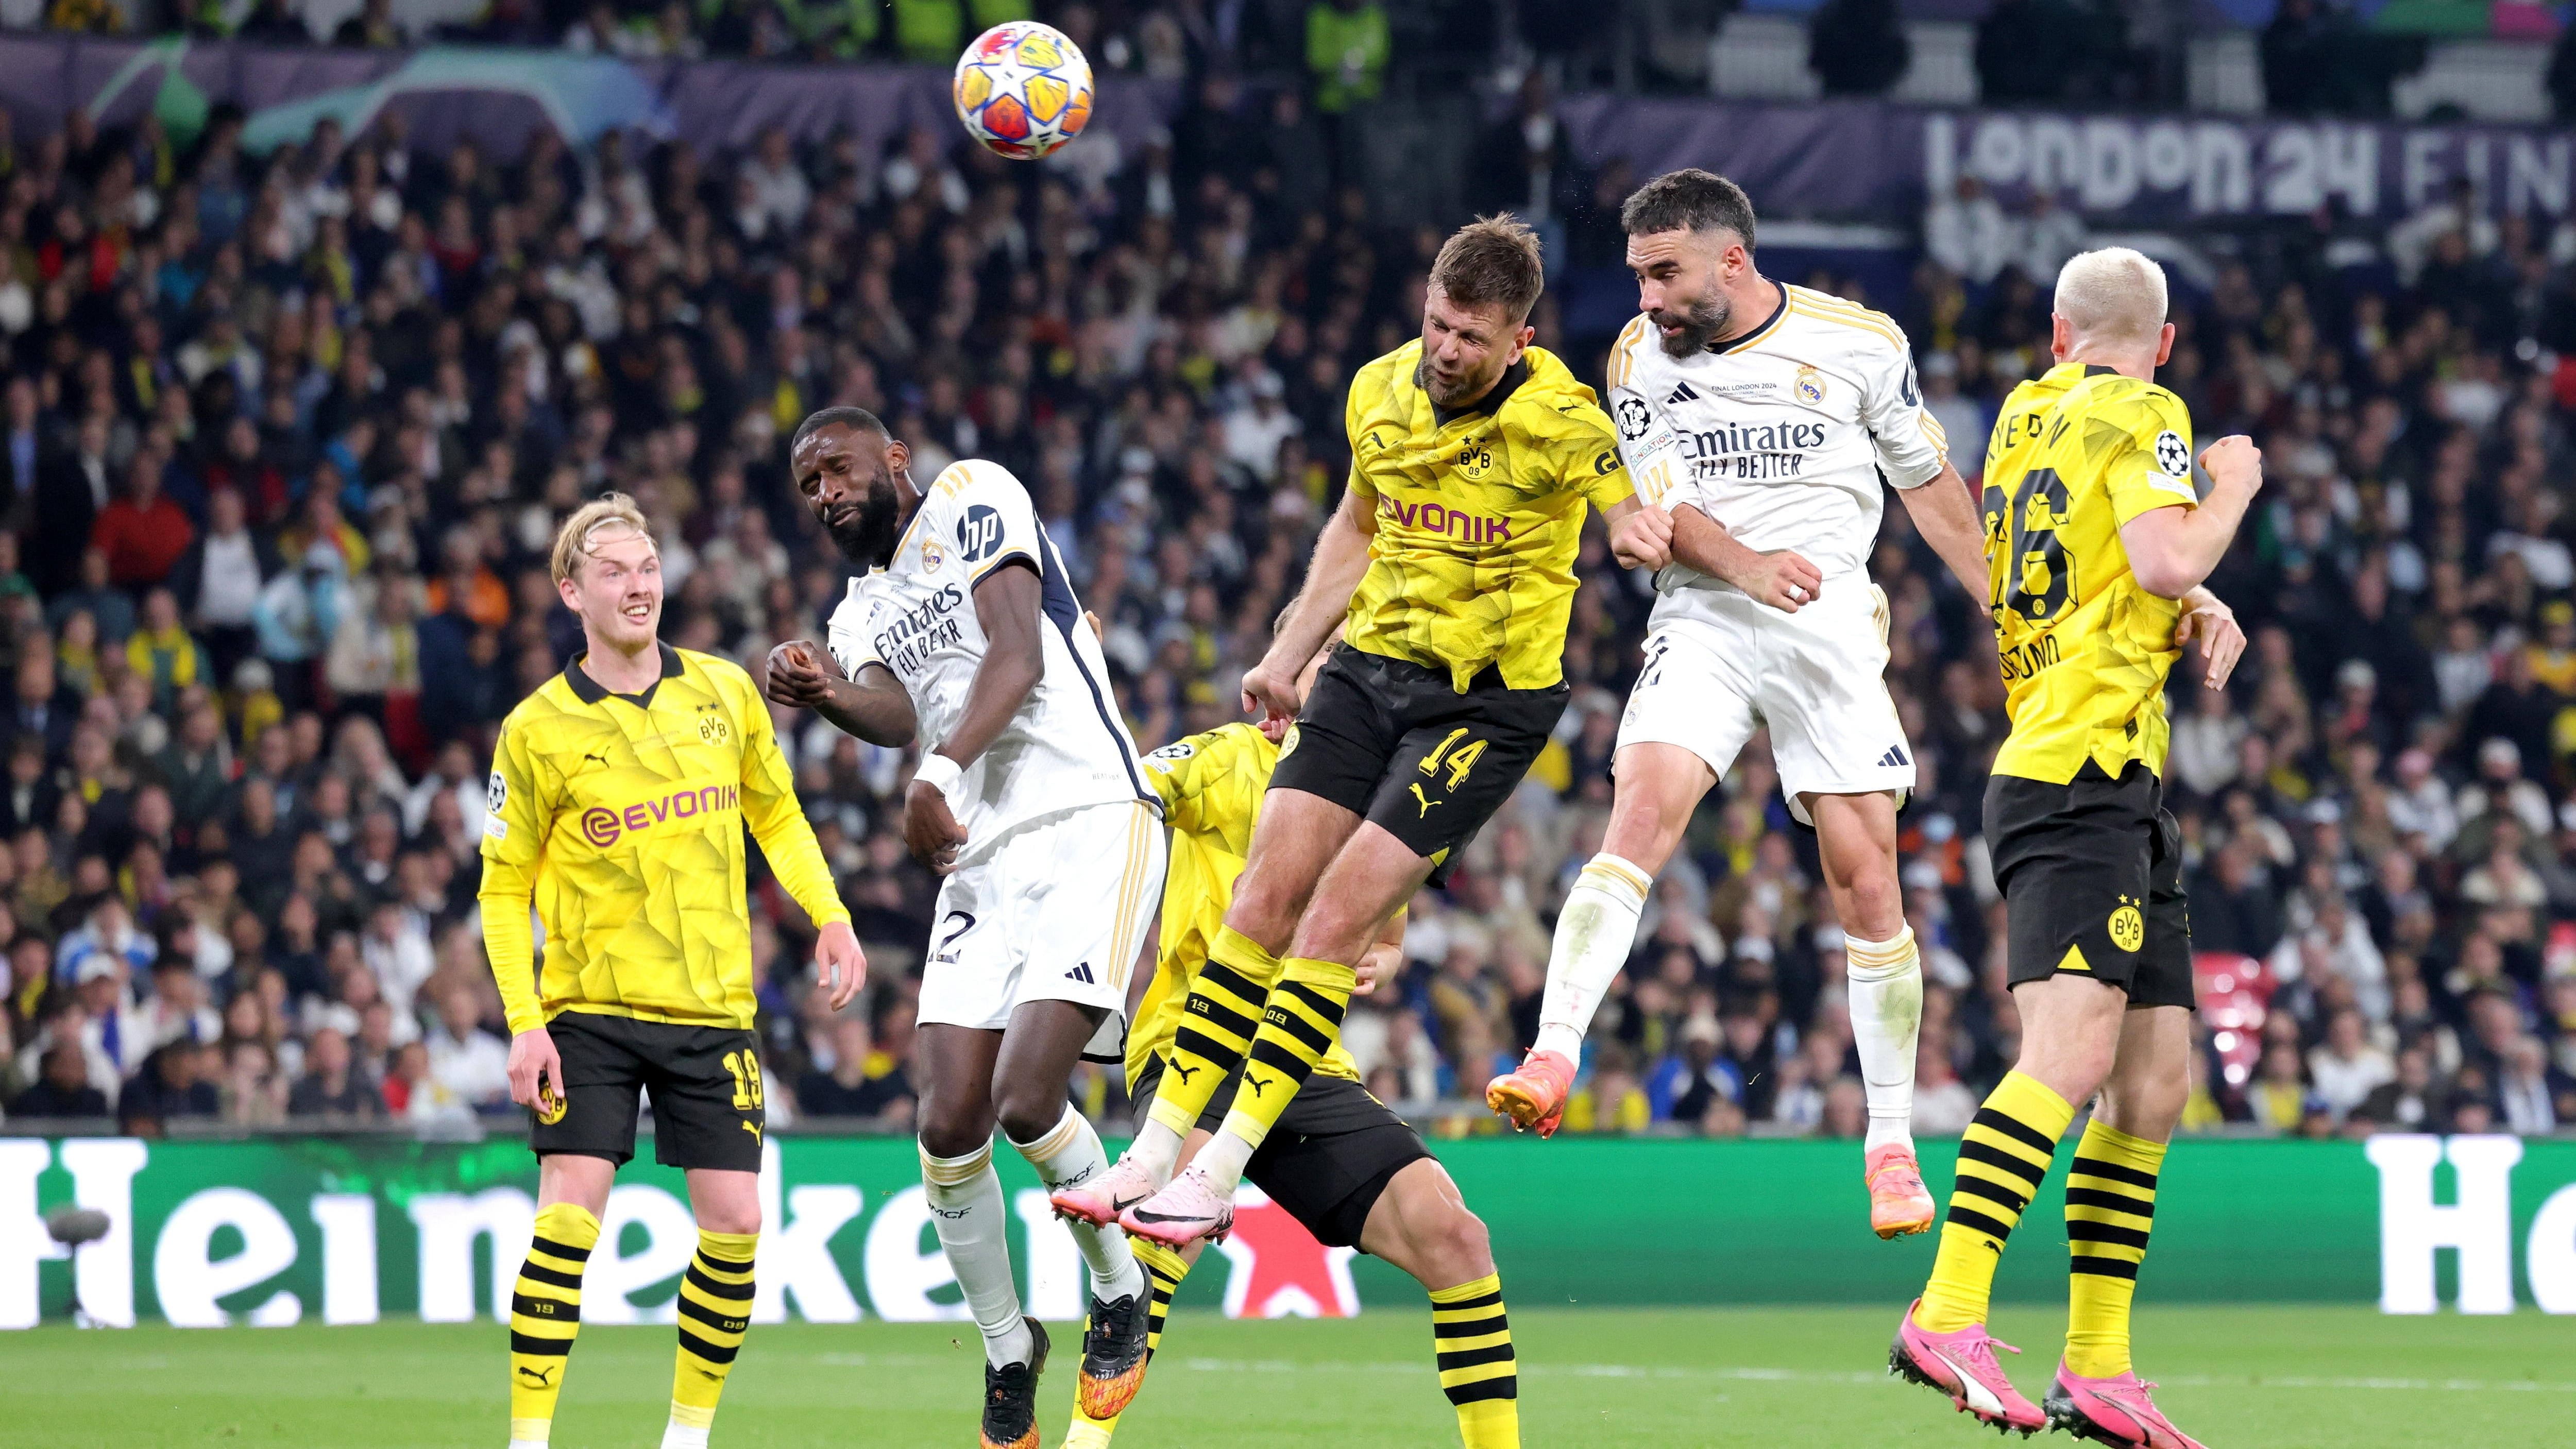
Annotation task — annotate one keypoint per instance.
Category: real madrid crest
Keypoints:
(931, 555)
(1809, 385)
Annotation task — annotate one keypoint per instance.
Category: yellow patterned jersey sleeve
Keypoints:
(2075, 454)
(1479, 516)
(1211, 785)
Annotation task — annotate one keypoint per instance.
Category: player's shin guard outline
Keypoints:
(545, 1316)
(715, 1311)
(2002, 1157)
(1885, 993)
(1070, 1153)
(1594, 933)
(2110, 1207)
(1299, 1024)
(966, 1195)
(1471, 1338)
(1217, 1028)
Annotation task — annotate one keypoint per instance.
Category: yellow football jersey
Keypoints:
(1211, 786)
(622, 816)
(2076, 453)
(1479, 514)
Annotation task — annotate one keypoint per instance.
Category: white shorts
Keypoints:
(1816, 677)
(1056, 910)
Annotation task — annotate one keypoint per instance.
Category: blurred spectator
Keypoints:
(1858, 47)
(468, 1063)
(170, 1087)
(64, 1091)
(332, 1085)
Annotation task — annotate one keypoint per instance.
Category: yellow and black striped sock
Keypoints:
(715, 1309)
(2002, 1157)
(545, 1314)
(1299, 1023)
(1217, 1027)
(1167, 1269)
(1478, 1370)
(2110, 1205)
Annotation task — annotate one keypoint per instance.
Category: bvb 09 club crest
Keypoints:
(1809, 385)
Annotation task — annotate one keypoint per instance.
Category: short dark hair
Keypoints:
(1492, 261)
(859, 418)
(1688, 200)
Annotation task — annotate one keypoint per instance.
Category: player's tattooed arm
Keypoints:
(874, 707)
(1782, 578)
(1945, 512)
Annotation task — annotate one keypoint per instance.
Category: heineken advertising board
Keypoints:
(276, 1231)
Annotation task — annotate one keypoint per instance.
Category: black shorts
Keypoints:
(705, 1082)
(2091, 873)
(1328, 1158)
(1396, 743)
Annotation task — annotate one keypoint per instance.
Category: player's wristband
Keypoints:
(940, 773)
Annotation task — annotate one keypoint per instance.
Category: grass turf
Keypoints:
(1780, 1378)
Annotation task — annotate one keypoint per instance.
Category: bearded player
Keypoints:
(1029, 802)
(1763, 416)
(1450, 563)
(620, 790)
(2096, 534)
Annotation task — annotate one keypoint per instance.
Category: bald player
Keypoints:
(2097, 544)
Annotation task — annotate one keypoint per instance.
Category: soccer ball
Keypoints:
(1023, 89)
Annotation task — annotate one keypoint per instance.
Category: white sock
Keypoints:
(1886, 1015)
(1069, 1153)
(1223, 1159)
(1594, 934)
(527, 1444)
(974, 1232)
(684, 1436)
(1157, 1148)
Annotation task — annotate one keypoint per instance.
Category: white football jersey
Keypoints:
(1781, 434)
(1067, 746)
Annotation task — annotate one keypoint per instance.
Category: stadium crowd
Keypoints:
(283, 440)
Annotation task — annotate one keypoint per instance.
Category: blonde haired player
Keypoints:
(619, 793)
(2099, 543)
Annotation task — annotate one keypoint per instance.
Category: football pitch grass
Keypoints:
(1779, 1378)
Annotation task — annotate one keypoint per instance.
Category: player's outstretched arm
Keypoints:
(1783, 578)
(2172, 549)
(874, 707)
(777, 821)
(1945, 511)
(1332, 576)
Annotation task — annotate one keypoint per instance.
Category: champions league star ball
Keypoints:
(1023, 89)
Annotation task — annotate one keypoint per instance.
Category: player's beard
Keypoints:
(1459, 394)
(866, 535)
(1699, 323)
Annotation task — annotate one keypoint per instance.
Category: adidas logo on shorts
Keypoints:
(1894, 759)
(1081, 973)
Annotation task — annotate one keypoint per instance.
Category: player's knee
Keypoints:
(728, 1218)
(950, 1131)
(1875, 902)
(1458, 1249)
(1265, 908)
(1028, 1116)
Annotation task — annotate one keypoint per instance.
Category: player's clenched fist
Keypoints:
(1270, 693)
(798, 677)
(930, 828)
(2234, 461)
(1643, 539)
